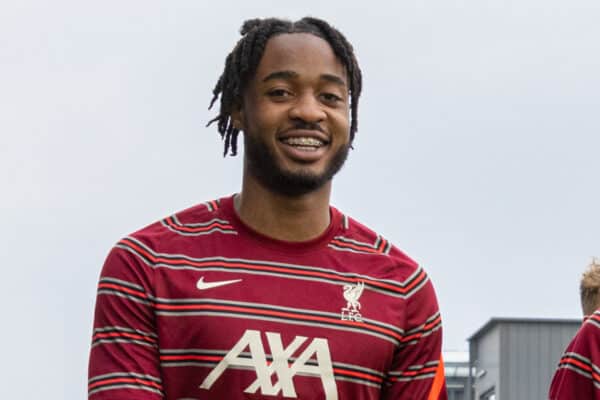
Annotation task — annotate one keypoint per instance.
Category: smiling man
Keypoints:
(271, 293)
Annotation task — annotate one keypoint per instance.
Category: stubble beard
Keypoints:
(261, 164)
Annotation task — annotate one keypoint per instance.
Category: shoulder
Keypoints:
(192, 225)
(356, 238)
(572, 379)
(589, 333)
(362, 239)
(584, 349)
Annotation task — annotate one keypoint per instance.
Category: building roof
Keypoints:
(455, 356)
(456, 364)
(502, 320)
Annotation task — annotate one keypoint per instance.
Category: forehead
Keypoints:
(303, 53)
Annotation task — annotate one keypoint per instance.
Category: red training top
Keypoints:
(200, 306)
(578, 373)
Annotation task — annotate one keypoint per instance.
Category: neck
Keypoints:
(293, 219)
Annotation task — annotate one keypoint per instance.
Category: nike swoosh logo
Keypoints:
(201, 285)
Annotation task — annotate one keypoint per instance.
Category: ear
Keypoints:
(237, 117)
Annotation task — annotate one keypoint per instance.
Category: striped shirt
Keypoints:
(199, 306)
(578, 372)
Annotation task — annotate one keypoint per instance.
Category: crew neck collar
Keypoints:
(335, 224)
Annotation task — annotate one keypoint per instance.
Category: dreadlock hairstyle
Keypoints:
(242, 62)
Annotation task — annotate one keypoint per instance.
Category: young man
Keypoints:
(270, 293)
(578, 373)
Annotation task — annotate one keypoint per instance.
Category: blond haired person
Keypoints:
(578, 373)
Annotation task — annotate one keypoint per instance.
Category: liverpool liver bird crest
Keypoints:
(352, 310)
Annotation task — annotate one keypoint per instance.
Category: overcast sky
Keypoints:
(477, 152)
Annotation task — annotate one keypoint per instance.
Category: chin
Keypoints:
(292, 183)
(289, 180)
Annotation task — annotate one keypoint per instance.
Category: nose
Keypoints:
(307, 108)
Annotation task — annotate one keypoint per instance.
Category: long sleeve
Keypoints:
(124, 362)
(417, 372)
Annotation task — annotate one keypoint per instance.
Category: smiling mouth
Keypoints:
(304, 143)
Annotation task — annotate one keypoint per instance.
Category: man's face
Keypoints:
(295, 115)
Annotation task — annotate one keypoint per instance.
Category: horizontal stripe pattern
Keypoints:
(118, 287)
(204, 358)
(431, 325)
(198, 229)
(414, 372)
(266, 312)
(594, 319)
(119, 334)
(178, 261)
(577, 363)
(125, 380)
(245, 310)
(381, 246)
(582, 366)
(257, 311)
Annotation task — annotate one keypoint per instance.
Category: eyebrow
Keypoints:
(334, 79)
(280, 75)
(292, 75)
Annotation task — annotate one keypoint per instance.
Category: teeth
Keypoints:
(304, 141)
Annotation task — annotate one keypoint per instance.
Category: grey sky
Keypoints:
(477, 151)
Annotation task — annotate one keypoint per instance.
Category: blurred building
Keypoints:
(515, 358)
(456, 365)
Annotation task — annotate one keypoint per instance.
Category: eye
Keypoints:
(279, 93)
(331, 98)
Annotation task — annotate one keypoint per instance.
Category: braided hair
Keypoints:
(242, 62)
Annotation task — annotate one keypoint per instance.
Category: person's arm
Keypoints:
(124, 360)
(578, 372)
(417, 372)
